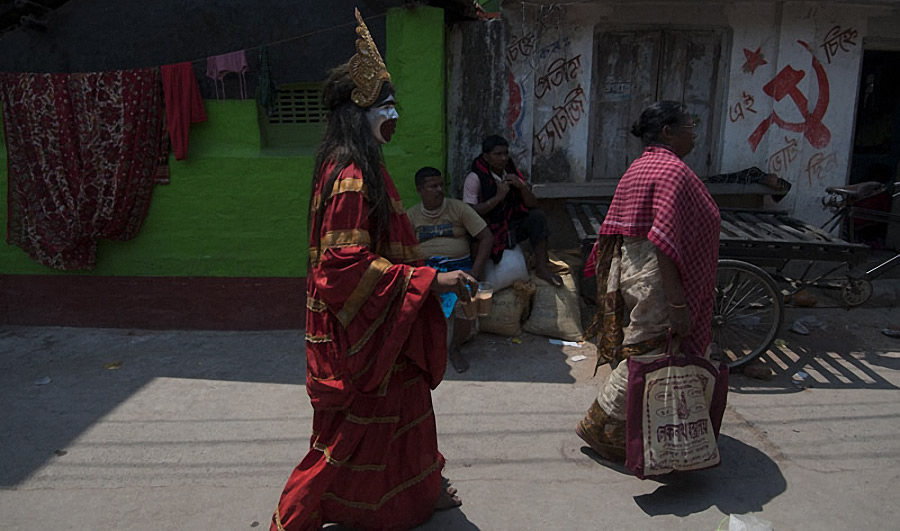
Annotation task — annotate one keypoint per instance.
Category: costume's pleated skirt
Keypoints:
(373, 466)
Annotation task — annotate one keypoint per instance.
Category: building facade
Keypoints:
(224, 244)
(781, 86)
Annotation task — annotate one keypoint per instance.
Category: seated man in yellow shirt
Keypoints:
(445, 228)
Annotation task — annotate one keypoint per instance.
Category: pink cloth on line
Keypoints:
(184, 106)
(218, 66)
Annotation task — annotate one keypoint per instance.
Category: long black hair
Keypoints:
(655, 117)
(348, 140)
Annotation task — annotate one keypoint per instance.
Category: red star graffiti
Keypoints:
(785, 85)
(754, 60)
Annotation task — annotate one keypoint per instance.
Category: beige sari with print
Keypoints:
(632, 321)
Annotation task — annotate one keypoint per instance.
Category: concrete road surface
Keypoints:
(131, 429)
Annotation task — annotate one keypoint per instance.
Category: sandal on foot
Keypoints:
(605, 451)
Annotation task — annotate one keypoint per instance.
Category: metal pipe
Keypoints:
(882, 267)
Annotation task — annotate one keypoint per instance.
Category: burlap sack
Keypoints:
(509, 308)
(555, 312)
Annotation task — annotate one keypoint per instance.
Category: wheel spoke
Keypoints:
(748, 311)
(752, 290)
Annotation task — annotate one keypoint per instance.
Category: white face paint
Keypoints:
(382, 118)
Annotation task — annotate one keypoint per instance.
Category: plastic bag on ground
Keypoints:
(510, 269)
(744, 522)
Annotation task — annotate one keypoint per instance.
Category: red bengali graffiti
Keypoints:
(820, 164)
(785, 84)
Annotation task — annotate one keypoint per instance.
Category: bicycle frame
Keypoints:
(845, 214)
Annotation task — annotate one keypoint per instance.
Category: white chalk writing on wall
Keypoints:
(616, 90)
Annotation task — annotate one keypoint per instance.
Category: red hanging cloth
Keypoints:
(82, 154)
(184, 106)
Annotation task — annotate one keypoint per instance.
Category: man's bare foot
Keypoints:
(459, 362)
(448, 498)
(545, 275)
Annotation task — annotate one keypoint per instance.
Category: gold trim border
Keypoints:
(342, 463)
(389, 495)
(363, 290)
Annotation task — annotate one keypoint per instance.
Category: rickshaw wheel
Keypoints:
(747, 313)
(856, 291)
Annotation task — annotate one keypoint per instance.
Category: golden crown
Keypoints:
(367, 68)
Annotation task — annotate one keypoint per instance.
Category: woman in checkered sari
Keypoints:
(655, 261)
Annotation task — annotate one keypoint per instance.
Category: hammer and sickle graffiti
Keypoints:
(785, 85)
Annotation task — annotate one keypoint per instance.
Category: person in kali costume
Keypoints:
(375, 333)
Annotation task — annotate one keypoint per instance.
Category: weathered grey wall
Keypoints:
(477, 88)
(99, 35)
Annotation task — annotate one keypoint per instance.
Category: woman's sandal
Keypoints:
(606, 451)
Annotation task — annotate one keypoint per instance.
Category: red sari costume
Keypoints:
(375, 347)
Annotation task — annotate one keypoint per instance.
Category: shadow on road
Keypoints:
(55, 383)
(834, 355)
(529, 358)
(745, 481)
(452, 520)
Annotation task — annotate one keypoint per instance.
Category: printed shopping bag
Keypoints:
(673, 414)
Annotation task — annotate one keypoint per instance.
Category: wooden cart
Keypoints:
(755, 246)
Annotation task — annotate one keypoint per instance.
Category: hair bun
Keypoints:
(637, 130)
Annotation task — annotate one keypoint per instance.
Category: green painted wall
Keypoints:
(232, 210)
(416, 61)
(227, 212)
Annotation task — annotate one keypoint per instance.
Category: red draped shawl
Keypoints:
(375, 347)
(661, 199)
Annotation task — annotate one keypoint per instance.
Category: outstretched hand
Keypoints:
(461, 283)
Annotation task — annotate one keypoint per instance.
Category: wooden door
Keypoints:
(625, 82)
(635, 69)
(690, 62)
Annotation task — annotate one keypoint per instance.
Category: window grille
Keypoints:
(298, 104)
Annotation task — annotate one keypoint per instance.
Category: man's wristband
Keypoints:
(678, 306)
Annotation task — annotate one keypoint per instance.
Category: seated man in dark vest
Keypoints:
(500, 194)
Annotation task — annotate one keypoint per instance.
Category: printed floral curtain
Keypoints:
(82, 151)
